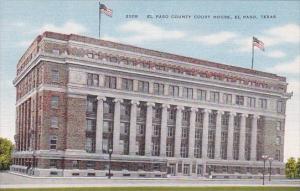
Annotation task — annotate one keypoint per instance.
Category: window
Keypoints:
(53, 142)
(184, 150)
(105, 145)
(156, 130)
(199, 169)
(239, 100)
(278, 125)
(110, 82)
(54, 122)
(227, 98)
(54, 102)
(143, 87)
(90, 124)
(211, 151)
(224, 136)
(172, 114)
(214, 97)
(108, 107)
(127, 84)
(171, 130)
(278, 140)
(262, 103)
(158, 89)
(225, 120)
(157, 113)
(185, 132)
(53, 163)
(186, 169)
(75, 164)
(125, 109)
(155, 149)
(91, 105)
(198, 150)
(141, 129)
(169, 150)
(199, 117)
(223, 152)
(185, 115)
(55, 76)
(251, 101)
(89, 145)
(141, 112)
(124, 128)
(280, 107)
(211, 135)
(188, 93)
(107, 126)
(90, 164)
(198, 134)
(277, 155)
(174, 91)
(93, 79)
(201, 95)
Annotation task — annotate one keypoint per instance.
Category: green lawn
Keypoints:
(165, 189)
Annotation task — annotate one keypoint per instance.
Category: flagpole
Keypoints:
(99, 18)
(252, 54)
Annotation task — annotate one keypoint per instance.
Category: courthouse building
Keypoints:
(161, 114)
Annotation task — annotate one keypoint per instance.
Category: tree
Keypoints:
(298, 168)
(290, 168)
(6, 148)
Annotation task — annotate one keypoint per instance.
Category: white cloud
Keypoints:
(141, 31)
(289, 33)
(292, 67)
(276, 54)
(216, 38)
(67, 28)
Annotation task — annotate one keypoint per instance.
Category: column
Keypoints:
(205, 133)
(132, 131)
(148, 136)
(164, 129)
(218, 135)
(116, 132)
(242, 137)
(178, 131)
(230, 136)
(99, 124)
(253, 137)
(26, 125)
(31, 127)
(192, 132)
(21, 127)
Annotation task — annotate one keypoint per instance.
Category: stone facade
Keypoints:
(161, 114)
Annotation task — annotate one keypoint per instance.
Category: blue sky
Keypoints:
(221, 40)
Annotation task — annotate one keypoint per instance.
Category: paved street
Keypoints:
(8, 180)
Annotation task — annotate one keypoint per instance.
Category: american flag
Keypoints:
(259, 44)
(105, 10)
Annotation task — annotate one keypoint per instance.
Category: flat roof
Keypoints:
(145, 51)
